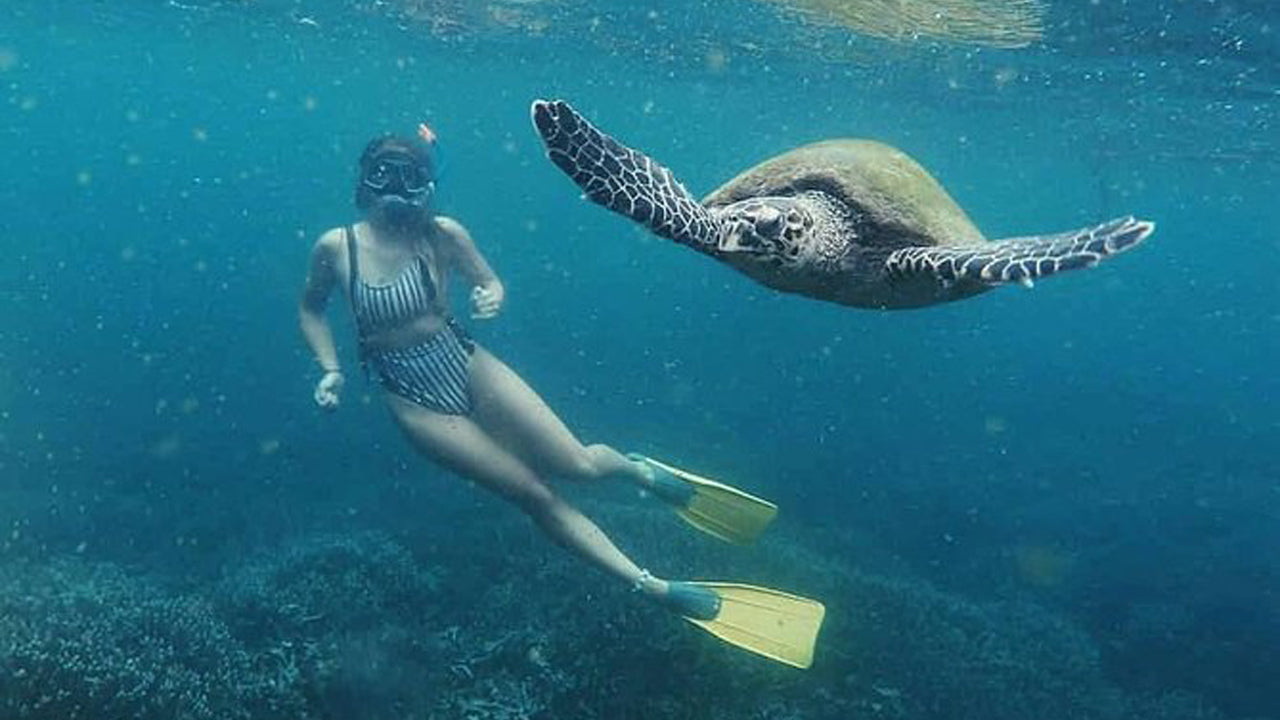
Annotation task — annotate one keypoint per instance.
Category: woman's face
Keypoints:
(400, 187)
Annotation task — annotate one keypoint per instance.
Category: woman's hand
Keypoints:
(327, 390)
(486, 301)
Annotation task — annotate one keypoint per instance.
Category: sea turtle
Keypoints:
(854, 222)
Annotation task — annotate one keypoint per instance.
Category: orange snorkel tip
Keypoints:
(426, 134)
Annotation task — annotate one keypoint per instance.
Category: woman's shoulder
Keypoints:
(450, 230)
(333, 240)
(447, 225)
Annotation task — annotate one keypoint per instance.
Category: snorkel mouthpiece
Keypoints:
(399, 209)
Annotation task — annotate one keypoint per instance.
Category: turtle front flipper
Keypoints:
(624, 180)
(1022, 259)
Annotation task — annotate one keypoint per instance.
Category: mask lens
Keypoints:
(416, 179)
(379, 176)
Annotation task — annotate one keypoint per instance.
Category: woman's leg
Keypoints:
(462, 446)
(506, 406)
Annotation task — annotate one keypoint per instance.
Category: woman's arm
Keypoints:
(488, 293)
(322, 275)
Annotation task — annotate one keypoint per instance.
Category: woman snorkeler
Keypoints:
(465, 409)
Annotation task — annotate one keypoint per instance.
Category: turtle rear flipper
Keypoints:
(1022, 259)
(624, 180)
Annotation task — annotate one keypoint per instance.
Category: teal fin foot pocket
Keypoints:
(717, 509)
(692, 601)
(665, 485)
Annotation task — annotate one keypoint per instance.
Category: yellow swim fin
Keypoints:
(714, 508)
(777, 625)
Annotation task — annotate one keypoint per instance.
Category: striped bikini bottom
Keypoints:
(433, 373)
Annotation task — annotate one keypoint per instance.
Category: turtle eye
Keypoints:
(767, 220)
(769, 224)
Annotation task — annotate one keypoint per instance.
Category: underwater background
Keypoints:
(1052, 503)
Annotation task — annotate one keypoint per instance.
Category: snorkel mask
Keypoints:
(397, 179)
(396, 173)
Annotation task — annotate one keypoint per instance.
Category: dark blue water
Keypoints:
(1054, 503)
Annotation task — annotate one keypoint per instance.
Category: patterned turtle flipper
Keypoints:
(624, 180)
(1020, 260)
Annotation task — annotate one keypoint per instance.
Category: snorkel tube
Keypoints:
(428, 136)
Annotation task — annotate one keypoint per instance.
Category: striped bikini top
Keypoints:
(380, 307)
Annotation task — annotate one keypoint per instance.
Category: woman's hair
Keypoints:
(388, 143)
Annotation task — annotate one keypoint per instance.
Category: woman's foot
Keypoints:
(661, 482)
(686, 599)
(644, 472)
(652, 587)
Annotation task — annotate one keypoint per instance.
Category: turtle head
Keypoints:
(767, 229)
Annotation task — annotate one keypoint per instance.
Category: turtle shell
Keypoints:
(894, 196)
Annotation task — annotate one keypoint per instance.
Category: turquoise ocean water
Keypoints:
(1050, 503)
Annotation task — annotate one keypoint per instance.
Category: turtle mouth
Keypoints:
(756, 228)
(740, 237)
(742, 241)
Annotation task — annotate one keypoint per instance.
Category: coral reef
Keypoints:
(348, 616)
(89, 641)
(491, 623)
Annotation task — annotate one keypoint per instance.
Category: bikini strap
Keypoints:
(428, 282)
(353, 263)
(353, 276)
(424, 265)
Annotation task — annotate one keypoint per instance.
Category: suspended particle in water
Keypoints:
(8, 59)
(995, 425)
(716, 60)
(166, 447)
(83, 178)
(1005, 76)
(1041, 565)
